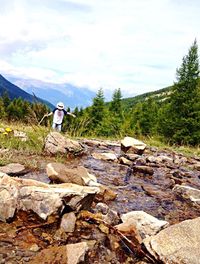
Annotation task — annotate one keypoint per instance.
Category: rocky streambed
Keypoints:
(147, 195)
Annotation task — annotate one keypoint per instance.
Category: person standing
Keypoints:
(58, 114)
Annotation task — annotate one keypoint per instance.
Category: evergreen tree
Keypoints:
(116, 104)
(145, 117)
(183, 112)
(115, 116)
(97, 109)
(2, 109)
(6, 98)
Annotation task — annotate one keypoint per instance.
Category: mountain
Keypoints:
(70, 95)
(15, 92)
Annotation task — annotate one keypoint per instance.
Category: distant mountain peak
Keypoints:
(72, 96)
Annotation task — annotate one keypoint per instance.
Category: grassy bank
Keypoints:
(28, 152)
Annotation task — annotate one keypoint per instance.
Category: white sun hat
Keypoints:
(60, 105)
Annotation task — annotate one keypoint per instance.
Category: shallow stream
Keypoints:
(135, 191)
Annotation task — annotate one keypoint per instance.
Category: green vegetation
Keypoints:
(35, 134)
(21, 110)
(183, 110)
(171, 115)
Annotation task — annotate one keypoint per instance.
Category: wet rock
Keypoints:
(111, 217)
(105, 156)
(155, 191)
(143, 169)
(112, 143)
(94, 143)
(151, 159)
(68, 222)
(69, 254)
(106, 194)
(132, 145)
(180, 160)
(102, 208)
(41, 198)
(56, 143)
(59, 172)
(160, 159)
(188, 192)
(125, 161)
(177, 173)
(164, 158)
(146, 225)
(132, 156)
(177, 244)
(197, 166)
(174, 180)
(13, 169)
(141, 161)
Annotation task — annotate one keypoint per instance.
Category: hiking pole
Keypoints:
(42, 119)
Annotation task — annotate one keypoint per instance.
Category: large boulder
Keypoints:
(132, 145)
(177, 244)
(43, 199)
(56, 143)
(59, 172)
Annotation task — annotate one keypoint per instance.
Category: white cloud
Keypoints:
(134, 45)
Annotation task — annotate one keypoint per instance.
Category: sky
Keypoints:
(134, 45)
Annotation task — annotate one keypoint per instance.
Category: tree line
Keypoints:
(21, 110)
(175, 118)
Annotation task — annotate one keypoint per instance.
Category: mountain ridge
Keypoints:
(72, 96)
(15, 92)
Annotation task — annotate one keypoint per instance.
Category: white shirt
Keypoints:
(58, 116)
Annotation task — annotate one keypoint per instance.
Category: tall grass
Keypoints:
(34, 145)
(36, 141)
(158, 142)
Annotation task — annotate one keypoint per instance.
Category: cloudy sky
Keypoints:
(132, 44)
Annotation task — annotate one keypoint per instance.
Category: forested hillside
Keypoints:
(172, 113)
(159, 95)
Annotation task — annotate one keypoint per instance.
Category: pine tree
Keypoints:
(6, 98)
(115, 115)
(183, 111)
(144, 117)
(2, 109)
(116, 104)
(97, 109)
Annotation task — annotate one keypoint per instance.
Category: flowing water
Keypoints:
(135, 191)
(150, 193)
